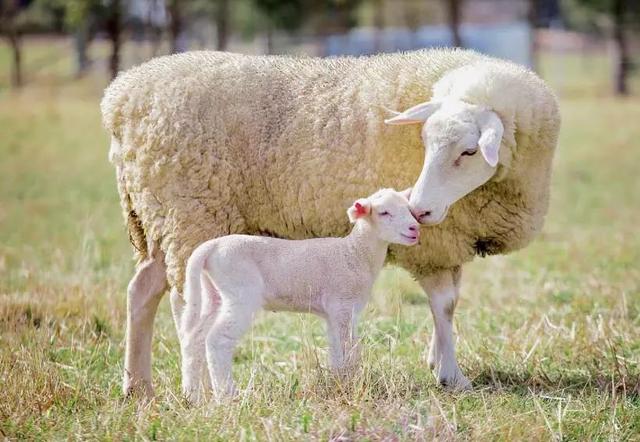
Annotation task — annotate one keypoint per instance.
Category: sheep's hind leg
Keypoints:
(143, 296)
(443, 291)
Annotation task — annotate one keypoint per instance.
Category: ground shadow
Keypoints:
(526, 383)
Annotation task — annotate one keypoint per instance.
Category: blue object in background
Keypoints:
(511, 41)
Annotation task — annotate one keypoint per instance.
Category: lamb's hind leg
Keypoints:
(234, 318)
(344, 351)
(143, 296)
(195, 378)
(443, 291)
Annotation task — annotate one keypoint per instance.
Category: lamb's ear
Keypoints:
(359, 209)
(406, 192)
(491, 130)
(416, 114)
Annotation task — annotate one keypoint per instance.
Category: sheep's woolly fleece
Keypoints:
(208, 143)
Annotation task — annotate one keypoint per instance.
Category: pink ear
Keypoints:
(360, 210)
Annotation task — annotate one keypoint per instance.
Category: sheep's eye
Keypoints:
(469, 152)
(385, 213)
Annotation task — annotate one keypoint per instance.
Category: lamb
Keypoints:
(330, 277)
(207, 144)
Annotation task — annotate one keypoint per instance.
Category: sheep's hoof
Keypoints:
(138, 390)
(457, 382)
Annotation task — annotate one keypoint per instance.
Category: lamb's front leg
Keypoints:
(344, 350)
(443, 290)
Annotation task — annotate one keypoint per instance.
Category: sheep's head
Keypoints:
(462, 147)
(387, 211)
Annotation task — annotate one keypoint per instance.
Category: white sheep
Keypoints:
(329, 277)
(208, 144)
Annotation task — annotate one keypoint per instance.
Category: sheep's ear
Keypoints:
(491, 130)
(407, 192)
(359, 209)
(416, 114)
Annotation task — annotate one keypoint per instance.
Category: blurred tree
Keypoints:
(176, 25)
(81, 16)
(532, 16)
(113, 27)
(340, 14)
(154, 20)
(455, 15)
(222, 24)
(10, 11)
(281, 14)
(621, 14)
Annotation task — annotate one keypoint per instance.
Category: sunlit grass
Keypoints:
(550, 336)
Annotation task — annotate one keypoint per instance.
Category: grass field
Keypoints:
(550, 336)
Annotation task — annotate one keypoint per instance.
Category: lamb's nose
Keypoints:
(413, 228)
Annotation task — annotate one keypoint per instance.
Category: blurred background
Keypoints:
(549, 335)
(49, 41)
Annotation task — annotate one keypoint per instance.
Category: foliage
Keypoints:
(596, 15)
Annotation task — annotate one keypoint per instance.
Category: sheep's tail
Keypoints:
(193, 285)
(137, 236)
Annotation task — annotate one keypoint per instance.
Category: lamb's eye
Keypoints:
(469, 152)
(385, 213)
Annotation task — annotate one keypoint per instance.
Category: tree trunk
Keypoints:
(378, 24)
(269, 36)
(81, 43)
(16, 49)
(176, 25)
(8, 13)
(114, 29)
(222, 24)
(621, 67)
(454, 21)
(533, 24)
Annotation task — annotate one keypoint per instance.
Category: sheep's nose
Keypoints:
(420, 214)
(413, 228)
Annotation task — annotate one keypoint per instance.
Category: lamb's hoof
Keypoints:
(456, 382)
(221, 395)
(192, 396)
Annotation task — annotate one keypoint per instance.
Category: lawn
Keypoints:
(550, 336)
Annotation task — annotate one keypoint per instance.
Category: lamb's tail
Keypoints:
(193, 285)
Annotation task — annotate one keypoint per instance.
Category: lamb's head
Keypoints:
(462, 147)
(387, 212)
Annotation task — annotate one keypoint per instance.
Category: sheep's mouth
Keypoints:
(431, 222)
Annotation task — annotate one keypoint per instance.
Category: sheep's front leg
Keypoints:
(344, 351)
(443, 291)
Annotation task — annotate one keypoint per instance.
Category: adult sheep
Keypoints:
(208, 144)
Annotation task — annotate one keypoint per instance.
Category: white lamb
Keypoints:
(330, 277)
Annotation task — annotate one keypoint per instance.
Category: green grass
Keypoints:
(550, 336)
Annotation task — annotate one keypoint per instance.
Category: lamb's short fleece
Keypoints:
(330, 277)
